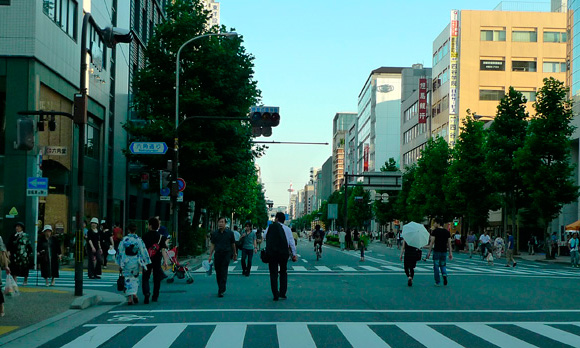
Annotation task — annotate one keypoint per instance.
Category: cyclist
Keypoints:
(318, 236)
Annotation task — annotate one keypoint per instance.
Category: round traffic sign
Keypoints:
(180, 184)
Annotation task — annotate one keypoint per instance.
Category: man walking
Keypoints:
(509, 253)
(156, 245)
(341, 238)
(223, 244)
(471, 243)
(279, 246)
(440, 240)
(249, 247)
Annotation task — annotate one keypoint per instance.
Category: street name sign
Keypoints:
(148, 148)
(36, 187)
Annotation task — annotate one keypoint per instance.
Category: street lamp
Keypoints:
(175, 165)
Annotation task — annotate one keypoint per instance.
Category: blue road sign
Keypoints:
(37, 183)
(148, 148)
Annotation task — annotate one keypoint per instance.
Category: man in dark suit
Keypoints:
(279, 246)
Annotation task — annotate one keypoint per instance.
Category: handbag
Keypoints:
(11, 288)
(121, 282)
(154, 249)
(264, 256)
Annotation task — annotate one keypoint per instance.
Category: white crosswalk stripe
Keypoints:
(357, 334)
(67, 279)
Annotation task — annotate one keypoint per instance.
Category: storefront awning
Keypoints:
(573, 226)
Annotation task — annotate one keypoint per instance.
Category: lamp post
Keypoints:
(175, 165)
(110, 36)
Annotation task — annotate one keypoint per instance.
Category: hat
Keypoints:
(47, 227)
(21, 224)
(94, 221)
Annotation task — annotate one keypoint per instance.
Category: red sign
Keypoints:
(180, 184)
(366, 158)
(422, 100)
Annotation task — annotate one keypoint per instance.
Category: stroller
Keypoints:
(180, 271)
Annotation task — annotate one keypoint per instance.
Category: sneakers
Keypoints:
(445, 280)
(220, 294)
(105, 267)
(515, 263)
(410, 282)
(507, 265)
(437, 284)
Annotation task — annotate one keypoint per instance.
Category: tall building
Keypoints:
(480, 54)
(379, 128)
(323, 184)
(214, 8)
(350, 150)
(415, 113)
(340, 125)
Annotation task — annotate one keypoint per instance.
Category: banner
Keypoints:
(423, 100)
(453, 77)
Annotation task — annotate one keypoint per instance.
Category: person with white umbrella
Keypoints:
(440, 241)
(415, 236)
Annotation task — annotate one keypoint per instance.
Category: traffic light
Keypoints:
(24, 134)
(263, 118)
(455, 222)
(165, 183)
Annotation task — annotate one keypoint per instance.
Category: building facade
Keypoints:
(340, 125)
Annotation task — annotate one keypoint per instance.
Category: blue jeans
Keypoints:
(439, 261)
(574, 257)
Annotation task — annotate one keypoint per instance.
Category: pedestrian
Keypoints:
(471, 239)
(223, 244)
(498, 245)
(362, 249)
(249, 248)
(440, 241)
(412, 255)
(132, 255)
(295, 236)
(573, 244)
(156, 245)
(237, 237)
(509, 253)
(355, 238)
(49, 255)
(162, 229)
(399, 239)
(259, 238)
(94, 250)
(279, 247)
(485, 244)
(107, 243)
(20, 251)
(532, 243)
(554, 243)
(117, 236)
(341, 238)
(457, 241)
(348, 239)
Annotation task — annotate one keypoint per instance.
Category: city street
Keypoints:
(342, 302)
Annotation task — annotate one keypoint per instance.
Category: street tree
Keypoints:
(404, 210)
(359, 208)
(216, 80)
(544, 160)
(385, 212)
(506, 135)
(468, 190)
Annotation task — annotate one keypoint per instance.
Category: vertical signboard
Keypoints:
(366, 158)
(422, 100)
(453, 77)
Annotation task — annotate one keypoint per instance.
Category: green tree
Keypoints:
(544, 160)
(216, 80)
(468, 191)
(385, 212)
(359, 208)
(506, 135)
(427, 198)
(404, 211)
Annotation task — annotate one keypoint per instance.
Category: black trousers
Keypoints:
(247, 254)
(410, 263)
(278, 261)
(157, 277)
(221, 261)
(94, 267)
(106, 247)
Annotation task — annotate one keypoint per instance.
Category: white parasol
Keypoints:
(415, 234)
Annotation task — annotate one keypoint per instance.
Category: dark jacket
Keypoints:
(276, 242)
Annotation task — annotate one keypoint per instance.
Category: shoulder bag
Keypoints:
(264, 256)
(154, 249)
(121, 282)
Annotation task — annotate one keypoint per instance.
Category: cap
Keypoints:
(94, 221)
(47, 227)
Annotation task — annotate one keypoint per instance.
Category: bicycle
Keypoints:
(318, 251)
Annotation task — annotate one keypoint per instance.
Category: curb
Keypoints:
(85, 301)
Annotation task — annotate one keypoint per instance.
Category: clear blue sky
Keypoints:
(313, 57)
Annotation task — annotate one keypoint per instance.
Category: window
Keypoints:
(491, 94)
(524, 36)
(524, 66)
(554, 67)
(92, 140)
(137, 14)
(493, 35)
(63, 13)
(530, 95)
(445, 48)
(554, 36)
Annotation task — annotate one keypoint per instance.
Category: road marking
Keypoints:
(299, 268)
(361, 336)
(552, 333)
(427, 336)
(468, 270)
(96, 336)
(162, 336)
(421, 269)
(396, 311)
(494, 336)
(231, 268)
(323, 268)
(227, 335)
(347, 268)
(292, 335)
(488, 270)
(304, 260)
(393, 268)
(370, 268)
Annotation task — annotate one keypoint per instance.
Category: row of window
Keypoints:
(413, 155)
(411, 112)
(63, 13)
(498, 94)
(414, 132)
(440, 106)
(529, 66)
(440, 53)
(523, 36)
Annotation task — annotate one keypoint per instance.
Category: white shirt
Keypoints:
(341, 236)
(289, 238)
(484, 238)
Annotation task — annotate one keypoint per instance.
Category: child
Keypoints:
(489, 259)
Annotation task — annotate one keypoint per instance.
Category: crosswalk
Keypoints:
(456, 268)
(327, 334)
(67, 279)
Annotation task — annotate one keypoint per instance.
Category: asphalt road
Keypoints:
(340, 301)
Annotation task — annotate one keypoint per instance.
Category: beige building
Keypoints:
(480, 54)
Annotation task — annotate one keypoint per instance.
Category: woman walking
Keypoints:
(131, 257)
(20, 253)
(498, 245)
(49, 255)
(412, 255)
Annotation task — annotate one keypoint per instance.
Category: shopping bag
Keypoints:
(11, 288)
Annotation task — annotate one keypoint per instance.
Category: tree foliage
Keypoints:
(359, 209)
(385, 212)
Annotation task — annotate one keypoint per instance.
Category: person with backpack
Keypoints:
(279, 247)
(156, 245)
(131, 256)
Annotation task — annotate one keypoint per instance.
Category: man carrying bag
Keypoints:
(279, 246)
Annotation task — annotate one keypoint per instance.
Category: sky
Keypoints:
(312, 58)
